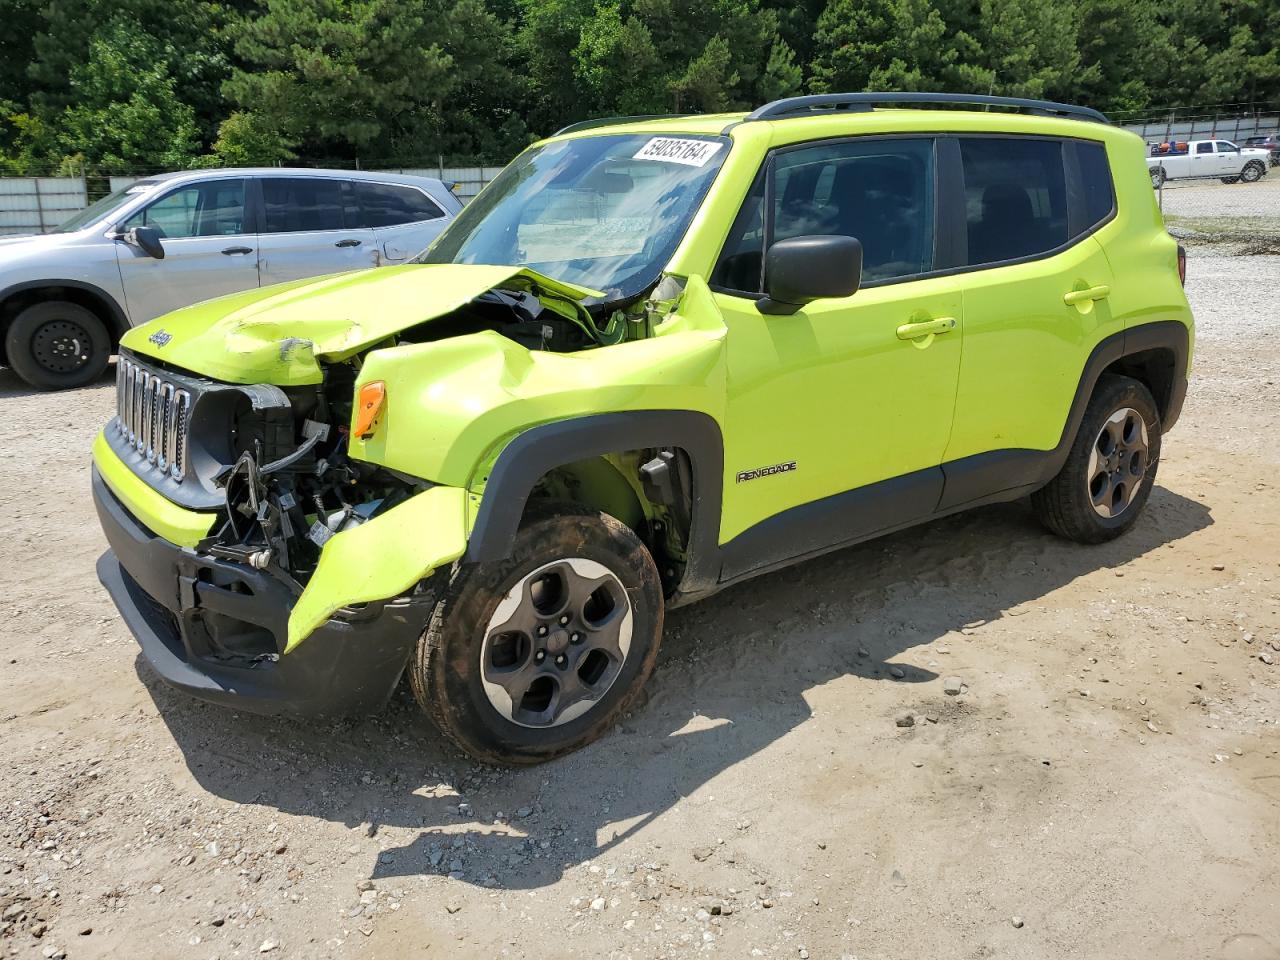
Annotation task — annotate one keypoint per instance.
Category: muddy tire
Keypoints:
(1107, 477)
(1253, 172)
(57, 344)
(531, 657)
(1157, 177)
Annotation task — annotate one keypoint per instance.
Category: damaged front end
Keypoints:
(267, 535)
(244, 407)
(263, 554)
(271, 462)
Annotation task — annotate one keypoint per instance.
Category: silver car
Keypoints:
(171, 240)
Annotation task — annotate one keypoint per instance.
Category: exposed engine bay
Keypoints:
(292, 486)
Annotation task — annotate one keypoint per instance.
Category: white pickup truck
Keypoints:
(1206, 158)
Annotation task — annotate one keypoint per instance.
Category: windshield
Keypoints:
(96, 211)
(601, 212)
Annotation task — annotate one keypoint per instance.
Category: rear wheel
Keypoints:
(1107, 477)
(1252, 173)
(536, 655)
(57, 344)
(1157, 177)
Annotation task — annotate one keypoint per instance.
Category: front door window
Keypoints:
(214, 208)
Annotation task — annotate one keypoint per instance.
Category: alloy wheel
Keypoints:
(1118, 462)
(556, 643)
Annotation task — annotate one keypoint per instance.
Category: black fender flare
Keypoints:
(119, 320)
(1170, 335)
(528, 458)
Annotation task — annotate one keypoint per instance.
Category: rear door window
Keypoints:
(301, 205)
(1015, 197)
(1204, 146)
(391, 204)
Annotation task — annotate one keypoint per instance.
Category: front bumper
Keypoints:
(219, 630)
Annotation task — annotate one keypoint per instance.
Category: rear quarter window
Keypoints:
(390, 204)
(1096, 199)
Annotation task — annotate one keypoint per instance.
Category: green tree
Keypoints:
(152, 83)
(481, 115)
(187, 38)
(783, 76)
(22, 21)
(881, 45)
(1123, 47)
(652, 56)
(126, 114)
(341, 77)
(1224, 51)
(244, 140)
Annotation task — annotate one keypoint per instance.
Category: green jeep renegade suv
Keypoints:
(655, 357)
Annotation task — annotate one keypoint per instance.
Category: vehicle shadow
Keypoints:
(854, 612)
(12, 385)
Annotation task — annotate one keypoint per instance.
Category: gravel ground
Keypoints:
(1105, 782)
(1237, 210)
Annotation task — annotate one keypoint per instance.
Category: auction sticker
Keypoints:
(692, 153)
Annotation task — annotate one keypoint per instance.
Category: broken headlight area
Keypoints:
(292, 486)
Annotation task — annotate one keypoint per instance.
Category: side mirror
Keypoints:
(800, 270)
(146, 239)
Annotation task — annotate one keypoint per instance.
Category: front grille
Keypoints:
(153, 415)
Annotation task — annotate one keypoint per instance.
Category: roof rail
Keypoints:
(610, 121)
(832, 102)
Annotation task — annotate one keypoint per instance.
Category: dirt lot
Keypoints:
(1210, 211)
(1106, 785)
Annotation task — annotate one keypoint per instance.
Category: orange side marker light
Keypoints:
(369, 404)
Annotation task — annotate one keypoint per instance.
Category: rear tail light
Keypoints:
(1182, 264)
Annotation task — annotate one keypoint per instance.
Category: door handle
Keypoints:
(1099, 292)
(232, 251)
(347, 243)
(913, 331)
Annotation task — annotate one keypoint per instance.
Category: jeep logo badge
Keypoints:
(160, 337)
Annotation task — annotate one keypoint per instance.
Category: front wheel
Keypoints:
(1252, 173)
(56, 344)
(1110, 469)
(530, 657)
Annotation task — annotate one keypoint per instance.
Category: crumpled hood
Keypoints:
(278, 334)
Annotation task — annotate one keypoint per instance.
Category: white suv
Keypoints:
(171, 240)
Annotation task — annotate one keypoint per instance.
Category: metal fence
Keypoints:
(38, 204)
(1235, 127)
